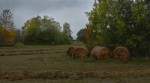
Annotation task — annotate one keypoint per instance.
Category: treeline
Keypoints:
(37, 30)
(119, 23)
(45, 30)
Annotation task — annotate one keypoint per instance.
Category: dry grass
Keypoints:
(50, 64)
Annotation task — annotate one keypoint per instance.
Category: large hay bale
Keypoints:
(81, 53)
(71, 51)
(121, 53)
(77, 52)
(100, 53)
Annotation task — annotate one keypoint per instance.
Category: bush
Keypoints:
(19, 45)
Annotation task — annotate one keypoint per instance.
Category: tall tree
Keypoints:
(122, 22)
(81, 35)
(7, 30)
(67, 30)
(6, 18)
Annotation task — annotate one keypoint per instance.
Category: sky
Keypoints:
(71, 11)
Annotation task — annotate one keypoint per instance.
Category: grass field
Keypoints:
(50, 64)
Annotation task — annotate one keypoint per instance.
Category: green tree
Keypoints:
(81, 35)
(139, 39)
(31, 29)
(122, 22)
(43, 30)
(67, 30)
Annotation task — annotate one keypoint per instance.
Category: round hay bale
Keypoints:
(77, 52)
(81, 53)
(121, 53)
(71, 51)
(100, 53)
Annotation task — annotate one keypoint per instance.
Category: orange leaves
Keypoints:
(88, 33)
(8, 36)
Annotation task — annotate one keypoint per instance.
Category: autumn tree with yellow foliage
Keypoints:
(7, 30)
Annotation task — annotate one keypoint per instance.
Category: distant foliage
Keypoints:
(9, 37)
(67, 30)
(1, 37)
(44, 30)
(85, 35)
(81, 35)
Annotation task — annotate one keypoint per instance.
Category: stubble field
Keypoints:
(50, 64)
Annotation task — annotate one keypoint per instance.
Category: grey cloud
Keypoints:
(72, 11)
(40, 4)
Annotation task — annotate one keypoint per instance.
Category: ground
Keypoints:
(50, 64)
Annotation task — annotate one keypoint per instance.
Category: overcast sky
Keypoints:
(71, 11)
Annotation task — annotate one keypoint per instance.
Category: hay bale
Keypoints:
(121, 53)
(80, 53)
(71, 51)
(100, 53)
(77, 52)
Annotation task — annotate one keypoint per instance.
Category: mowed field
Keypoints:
(50, 64)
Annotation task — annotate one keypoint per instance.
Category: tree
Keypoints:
(81, 35)
(67, 30)
(139, 39)
(6, 18)
(31, 29)
(44, 30)
(122, 22)
(84, 35)
(9, 37)
(1, 37)
(7, 30)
